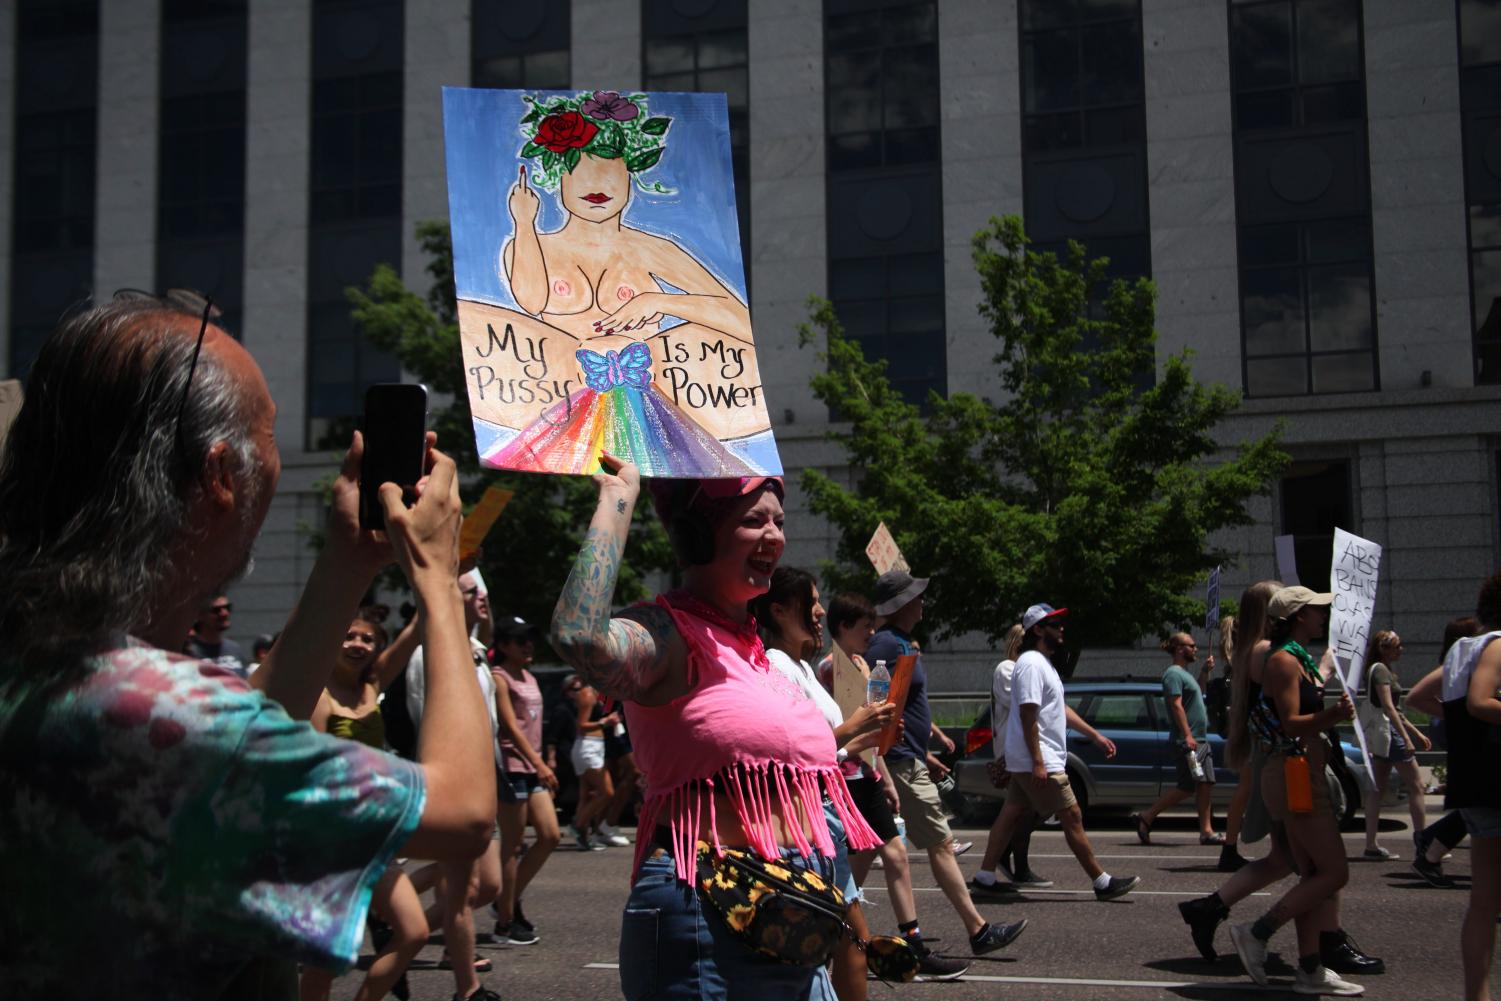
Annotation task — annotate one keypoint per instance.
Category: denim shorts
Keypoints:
(844, 877)
(672, 948)
(516, 787)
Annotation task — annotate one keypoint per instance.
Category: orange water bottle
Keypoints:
(1299, 785)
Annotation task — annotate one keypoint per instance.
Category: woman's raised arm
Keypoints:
(622, 657)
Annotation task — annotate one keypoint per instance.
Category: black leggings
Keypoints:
(1448, 830)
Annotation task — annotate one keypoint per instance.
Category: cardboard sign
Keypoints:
(883, 552)
(601, 292)
(1212, 601)
(1352, 580)
(477, 523)
(1287, 562)
(850, 681)
(10, 406)
(901, 680)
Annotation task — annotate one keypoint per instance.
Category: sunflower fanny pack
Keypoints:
(789, 913)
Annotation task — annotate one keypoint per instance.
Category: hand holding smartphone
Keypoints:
(395, 432)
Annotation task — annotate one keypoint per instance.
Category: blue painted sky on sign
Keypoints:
(483, 143)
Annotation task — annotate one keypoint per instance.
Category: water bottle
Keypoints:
(1195, 766)
(878, 688)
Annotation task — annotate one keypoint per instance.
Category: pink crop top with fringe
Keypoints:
(744, 730)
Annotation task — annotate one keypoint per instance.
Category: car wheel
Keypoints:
(1080, 792)
(977, 811)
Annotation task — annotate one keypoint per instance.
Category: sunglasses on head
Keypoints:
(181, 300)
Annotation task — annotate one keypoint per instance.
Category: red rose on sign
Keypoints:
(570, 130)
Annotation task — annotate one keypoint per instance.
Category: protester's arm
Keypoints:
(630, 655)
(1180, 717)
(391, 661)
(511, 727)
(1076, 723)
(869, 719)
(1280, 681)
(296, 669)
(1481, 700)
(454, 744)
(937, 733)
(1028, 712)
(1424, 696)
(1383, 692)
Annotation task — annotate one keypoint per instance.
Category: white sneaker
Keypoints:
(1251, 950)
(1323, 981)
(612, 837)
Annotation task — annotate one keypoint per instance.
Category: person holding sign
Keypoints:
(1390, 737)
(1289, 719)
(1190, 718)
(899, 598)
(734, 756)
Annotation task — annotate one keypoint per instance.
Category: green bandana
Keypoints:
(1310, 667)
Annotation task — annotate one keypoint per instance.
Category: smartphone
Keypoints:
(395, 431)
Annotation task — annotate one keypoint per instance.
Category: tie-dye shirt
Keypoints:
(163, 826)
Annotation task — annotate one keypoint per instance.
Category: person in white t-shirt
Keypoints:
(1012, 861)
(1037, 755)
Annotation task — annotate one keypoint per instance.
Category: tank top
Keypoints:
(745, 730)
(1264, 720)
(369, 729)
(1474, 753)
(526, 705)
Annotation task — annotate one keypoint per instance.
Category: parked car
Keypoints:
(1134, 715)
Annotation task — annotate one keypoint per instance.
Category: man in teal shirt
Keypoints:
(1190, 728)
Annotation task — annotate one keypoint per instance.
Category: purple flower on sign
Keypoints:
(608, 105)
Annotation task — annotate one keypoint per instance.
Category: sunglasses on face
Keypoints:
(221, 608)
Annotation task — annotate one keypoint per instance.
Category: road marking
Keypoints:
(1144, 855)
(1159, 985)
(1027, 892)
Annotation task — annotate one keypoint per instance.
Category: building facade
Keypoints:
(1314, 185)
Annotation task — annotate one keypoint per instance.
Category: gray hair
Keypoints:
(97, 478)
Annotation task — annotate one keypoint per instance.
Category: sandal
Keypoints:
(481, 964)
(1143, 829)
(1212, 839)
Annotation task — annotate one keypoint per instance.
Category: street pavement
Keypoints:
(1075, 948)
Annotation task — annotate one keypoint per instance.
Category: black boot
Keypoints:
(1231, 859)
(1338, 951)
(1203, 915)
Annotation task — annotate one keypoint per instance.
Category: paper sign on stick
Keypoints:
(1287, 563)
(1352, 579)
(477, 523)
(1212, 601)
(901, 680)
(883, 552)
(849, 691)
(601, 292)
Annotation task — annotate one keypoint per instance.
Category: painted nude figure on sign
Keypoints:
(597, 368)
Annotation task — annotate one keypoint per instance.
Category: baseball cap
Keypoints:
(895, 588)
(1037, 613)
(1292, 600)
(514, 627)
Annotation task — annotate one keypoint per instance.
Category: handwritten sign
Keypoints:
(901, 680)
(849, 691)
(1212, 601)
(883, 552)
(1352, 580)
(1287, 563)
(477, 523)
(601, 293)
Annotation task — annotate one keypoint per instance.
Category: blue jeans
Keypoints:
(671, 948)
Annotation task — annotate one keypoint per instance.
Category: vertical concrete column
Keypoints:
(125, 193)
(1191, 184)
(437, 56)
(7, 168)
(1417, 194)
(980, 91)
(277, 157)
(607, 44)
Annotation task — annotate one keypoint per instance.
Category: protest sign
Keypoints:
(1287, 562)
(883, 553)
(849, 691)
(601, 292)
(1352, 580)
(901, 680)
(477, 523)
(1212, 601)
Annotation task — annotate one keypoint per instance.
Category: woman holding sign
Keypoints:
(737, 761)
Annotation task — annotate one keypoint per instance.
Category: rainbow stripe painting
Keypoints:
(601, 292)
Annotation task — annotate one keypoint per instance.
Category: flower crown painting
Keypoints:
(601, 294)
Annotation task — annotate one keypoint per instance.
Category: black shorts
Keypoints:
(870, 798)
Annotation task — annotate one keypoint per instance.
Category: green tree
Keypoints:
(1083, 485)
(530, 550)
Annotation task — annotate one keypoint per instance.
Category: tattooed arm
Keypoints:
(637, 656)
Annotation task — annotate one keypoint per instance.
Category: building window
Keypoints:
(1316, 499)
(354, 218)
(52, 216)
(1480, 112)
(1084, 130)
(1303, 211)
(706, 50)
(200, 221)
(520, 44)
(885, 189)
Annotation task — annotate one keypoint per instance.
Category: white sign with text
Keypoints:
(1352, 579)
